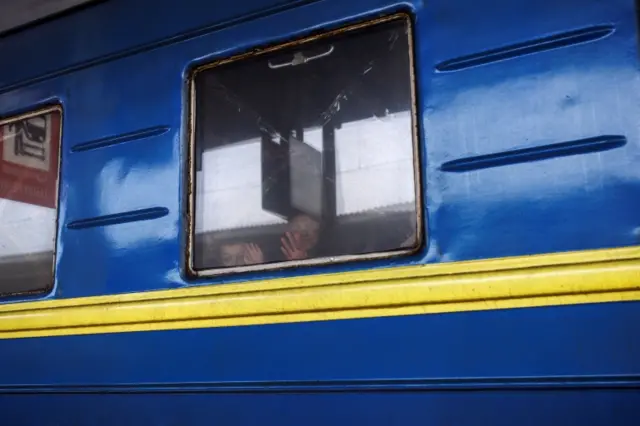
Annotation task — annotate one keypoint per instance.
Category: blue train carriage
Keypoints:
(321, 213)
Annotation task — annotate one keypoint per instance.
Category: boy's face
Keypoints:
(232, 254)
(307, 230)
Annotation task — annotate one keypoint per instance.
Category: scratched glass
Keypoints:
(29, 148)
(307, 154)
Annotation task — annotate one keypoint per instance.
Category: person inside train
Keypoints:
(301, 240)
(240, 254)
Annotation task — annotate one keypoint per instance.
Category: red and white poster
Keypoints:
(29, 151)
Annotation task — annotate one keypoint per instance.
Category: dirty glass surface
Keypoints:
(29, 149)
(307, 152)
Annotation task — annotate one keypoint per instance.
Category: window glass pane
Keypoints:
(307, 152)
(28, 197)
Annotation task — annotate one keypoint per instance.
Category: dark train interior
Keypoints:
(346, 77)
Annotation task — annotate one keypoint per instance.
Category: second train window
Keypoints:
(29, 159)
(307, 153)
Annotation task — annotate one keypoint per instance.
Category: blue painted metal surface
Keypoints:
(528, 366)
(569, 74)
(119, 71)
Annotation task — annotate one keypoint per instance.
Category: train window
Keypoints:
(29, 158)
(306, 153)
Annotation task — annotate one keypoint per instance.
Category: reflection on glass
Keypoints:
(307, 152)
(28, 198)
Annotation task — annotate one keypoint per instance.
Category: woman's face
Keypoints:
(307, 230)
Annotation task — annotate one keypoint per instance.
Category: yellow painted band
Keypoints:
(544, 280)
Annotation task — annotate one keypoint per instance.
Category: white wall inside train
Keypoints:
(374, 170)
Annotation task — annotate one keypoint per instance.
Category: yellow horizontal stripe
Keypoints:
(557, 279)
